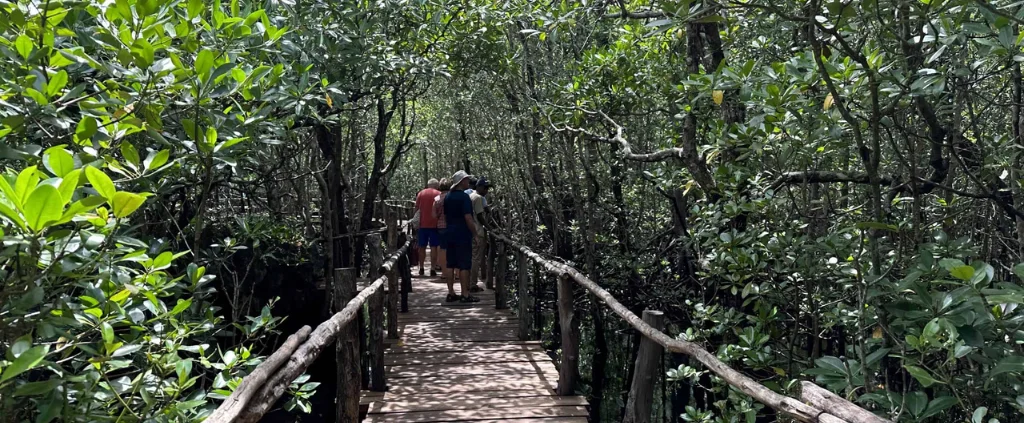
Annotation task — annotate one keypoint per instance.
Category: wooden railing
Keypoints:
(262, 388)
(815, 404)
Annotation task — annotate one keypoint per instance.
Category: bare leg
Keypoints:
(423, 257)
(433, 257)
(446, 273)
(449, 278)
(464, 281)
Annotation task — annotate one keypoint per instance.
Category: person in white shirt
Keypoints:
(479, 200)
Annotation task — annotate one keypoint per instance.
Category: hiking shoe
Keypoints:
(475, 288)
(469, 299)
(451, 298)
(433, 273)
(421, 271)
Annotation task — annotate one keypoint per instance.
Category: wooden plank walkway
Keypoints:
(457, 362)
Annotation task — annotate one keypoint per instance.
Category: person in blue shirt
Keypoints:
(458, 213)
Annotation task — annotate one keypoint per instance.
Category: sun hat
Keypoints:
(458, 177)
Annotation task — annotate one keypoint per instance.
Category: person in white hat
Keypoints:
(458, 211)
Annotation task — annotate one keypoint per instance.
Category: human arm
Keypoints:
(472, 225)
(467, 213)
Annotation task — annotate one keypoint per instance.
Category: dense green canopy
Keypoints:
(816, 190)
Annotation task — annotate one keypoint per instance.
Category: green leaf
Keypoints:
(211, 137)
(181, 306)
(37, 96)
(101, 182)
(59, 161)
(125, 203)
(876, 356)
(1011, 364)
(11, 214)
(963, 273)
(68, 184)
(183, 368)
(833, 363)
(979, 415)
(129, 153)
(227, 144)
(108, 332)
(86, 128)
(36, 388)
(162, 261)
(28, 360)
(1019, 270)
(44, 206)
(938, 405)
(195, 7)
(204, 62)
(26, 182)
(917, 402)
(57, 83)
(156, 159)
(24, 45)
(125, 350)
(120, 296)
(81, 206)
(922, 376)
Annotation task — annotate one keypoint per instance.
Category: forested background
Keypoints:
(825, 190)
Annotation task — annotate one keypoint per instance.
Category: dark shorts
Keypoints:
(428, 236)
(460, 255)
(442, 239)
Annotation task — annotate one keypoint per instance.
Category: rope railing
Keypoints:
(261, 389)
(816, 404)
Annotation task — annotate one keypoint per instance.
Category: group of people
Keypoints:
(452, 219)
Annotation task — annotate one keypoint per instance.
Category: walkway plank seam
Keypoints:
(465, 363)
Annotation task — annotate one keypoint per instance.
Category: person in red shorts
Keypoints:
(427, 234)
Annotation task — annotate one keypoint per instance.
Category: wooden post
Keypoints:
(524, 297)
(376, 257)
(568, 368)
(392, 222)
(489, 280)
(405, 273)
(377, 381)
(346, 351)
(500, 287)
(538, 318)
(376, 254)
(392, 305)
(641, 392)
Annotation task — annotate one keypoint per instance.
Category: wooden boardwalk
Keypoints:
(456, 362)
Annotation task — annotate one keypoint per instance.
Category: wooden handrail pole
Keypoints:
(392, 305)
(538, 316)
(346, 351)
(568, 366)
(406, 273)
(489, 266)
(641, 392)
(836, 405)
(376, 306)
(500, 272)
(524, 297)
